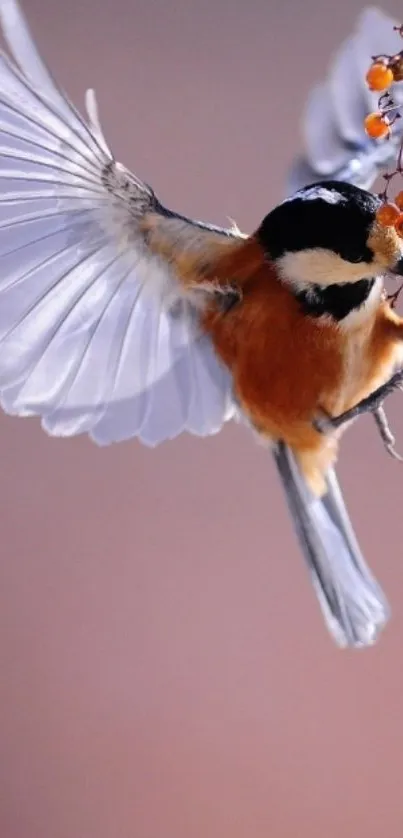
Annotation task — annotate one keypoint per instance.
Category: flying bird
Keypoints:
(120, 318)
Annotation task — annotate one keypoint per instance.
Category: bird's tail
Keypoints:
(353, 604)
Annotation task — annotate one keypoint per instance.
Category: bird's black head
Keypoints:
(327, 233)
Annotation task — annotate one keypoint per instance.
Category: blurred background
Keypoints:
(165, 669)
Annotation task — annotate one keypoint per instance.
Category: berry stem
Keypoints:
(393, 298)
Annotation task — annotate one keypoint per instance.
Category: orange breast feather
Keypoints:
(285, 365)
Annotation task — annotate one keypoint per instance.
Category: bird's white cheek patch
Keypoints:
(319, 267)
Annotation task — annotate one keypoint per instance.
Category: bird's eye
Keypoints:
(364, 254)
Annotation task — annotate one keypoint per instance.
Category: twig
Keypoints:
(387, 437)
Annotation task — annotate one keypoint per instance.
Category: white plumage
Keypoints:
(89, 337)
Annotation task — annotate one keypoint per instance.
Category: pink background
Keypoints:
(165, 671)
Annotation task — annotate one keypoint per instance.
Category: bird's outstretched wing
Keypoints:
(98, 333)
(335, 143)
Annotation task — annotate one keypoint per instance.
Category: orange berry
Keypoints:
(376, 125)
(399, 200)
(387, 215)
(399, 225)
(379, 76)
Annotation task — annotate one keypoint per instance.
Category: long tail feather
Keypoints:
(354, 606)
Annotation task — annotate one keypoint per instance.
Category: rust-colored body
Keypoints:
(288, 366)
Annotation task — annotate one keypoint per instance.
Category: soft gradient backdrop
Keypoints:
(165, 670)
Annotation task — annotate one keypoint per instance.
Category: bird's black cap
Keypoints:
(329, 214)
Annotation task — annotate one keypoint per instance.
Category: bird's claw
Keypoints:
(371, 404)
(368, 405)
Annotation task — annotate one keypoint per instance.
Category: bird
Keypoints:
(121, 318)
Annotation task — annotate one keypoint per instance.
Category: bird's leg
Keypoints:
(324, 424)
(368, 405)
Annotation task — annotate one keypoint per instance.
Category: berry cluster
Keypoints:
(384, 71)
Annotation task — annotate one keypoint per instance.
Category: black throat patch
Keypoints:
(336, 301)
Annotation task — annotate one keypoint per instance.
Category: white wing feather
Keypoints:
(335, 143)
(87, 340)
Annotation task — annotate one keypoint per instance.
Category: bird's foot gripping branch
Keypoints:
(371, 404)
